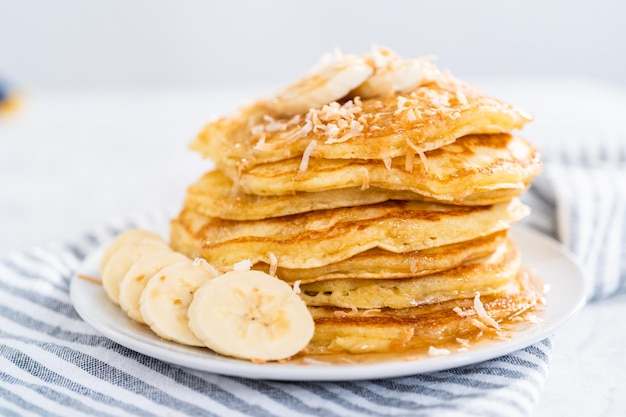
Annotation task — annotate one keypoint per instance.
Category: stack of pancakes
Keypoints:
(389, 209)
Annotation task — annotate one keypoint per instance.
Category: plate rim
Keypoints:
(193, 358)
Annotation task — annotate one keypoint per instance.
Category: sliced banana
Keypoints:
(136, 279)
(123, 239)
(250, 315)
(166, 298)
(123, 259)
(329, 82)
(394, 74)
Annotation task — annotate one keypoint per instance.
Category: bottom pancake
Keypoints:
(436, 325)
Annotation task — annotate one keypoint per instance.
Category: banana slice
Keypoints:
(164, 301)
(329, 82)
(123, 259)
(250, 315)
(136, 279)
(394, 74)
(123, 239)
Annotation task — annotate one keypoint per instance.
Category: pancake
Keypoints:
(489, 275)
(475, 170)
(416, 329)
(428, 117)
(377, 264)
(214, 195)
(323, 237)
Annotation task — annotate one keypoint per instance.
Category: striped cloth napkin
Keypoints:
(54, 364)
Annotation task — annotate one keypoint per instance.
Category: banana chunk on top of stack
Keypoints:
(386, 188)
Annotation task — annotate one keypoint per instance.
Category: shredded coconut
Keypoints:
(273, 264)
(463, 313)
(420, 152)
(304, 163)
(433, 351)
(479, 324)
(482, 314)
(463, 342)
(296, 287)
(371, 311)
(408, 161)
(387, 162)
(338, 122)
(460, 96)
(243, 265)
(206, 266)
(366, 179)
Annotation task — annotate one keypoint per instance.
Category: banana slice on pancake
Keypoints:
(394, 74)
(329, 82)
(250, 315)
(166, 298)
(123, 259)
(137, 277)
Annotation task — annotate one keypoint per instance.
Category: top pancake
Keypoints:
(426, 117)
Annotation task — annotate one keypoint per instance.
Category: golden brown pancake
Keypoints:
(439, 325)
(490, 275)
(323, 237)
(426, 118)
(376, 264)
(476, 169)
(213, 195)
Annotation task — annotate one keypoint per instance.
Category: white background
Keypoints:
(122, 44)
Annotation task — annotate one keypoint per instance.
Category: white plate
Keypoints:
(546, 258)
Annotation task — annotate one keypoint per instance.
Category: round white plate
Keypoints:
(550, 261)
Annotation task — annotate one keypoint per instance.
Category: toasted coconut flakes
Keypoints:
(302, 132)
(408, 161)
(402, 102)
(533, 319)
(479, 324)
(460, 96)
(257, 130)
(366, 179)
(273, 264)
(304, 163)
(206, 266)
(433, 351)
(463, 342)
(243, 265)
(260, 144)
(296, 287)
(464, 313)
(482, 314)
(423, 159)
(387, 162)
(371, 311)
(420, 152)
(311, 361)
(340, 314)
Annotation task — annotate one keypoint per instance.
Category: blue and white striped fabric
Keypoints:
(54, 364)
